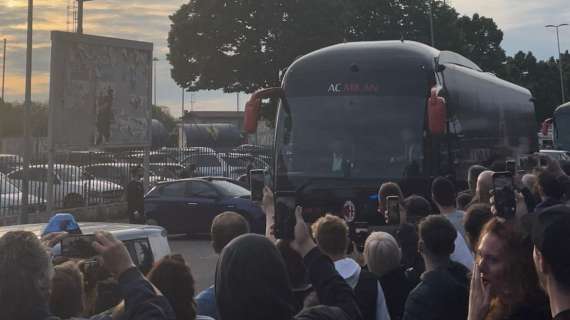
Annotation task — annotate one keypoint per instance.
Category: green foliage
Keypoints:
(541, 77)
(165, 118)
(12, 119)
(239, 45)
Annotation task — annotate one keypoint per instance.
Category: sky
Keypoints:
(522, 22)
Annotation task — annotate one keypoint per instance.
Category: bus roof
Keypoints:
(565, 108)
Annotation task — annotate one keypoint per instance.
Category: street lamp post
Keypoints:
(431, 31)
(557, 27)
(80, 15)
(4, 70)
(155, 60)
(27, 109)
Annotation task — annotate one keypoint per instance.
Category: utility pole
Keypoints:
(182, 105)
(27, 109)
(4, 70)
(431, 31)
(557, 27)
(237, 101)
(80, 16)
(154, 60)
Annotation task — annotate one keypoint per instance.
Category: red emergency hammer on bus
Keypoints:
(253, 106)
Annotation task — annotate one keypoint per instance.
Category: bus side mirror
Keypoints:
(253, 106)
(437, 113)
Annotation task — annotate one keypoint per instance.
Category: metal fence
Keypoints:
(83, 178)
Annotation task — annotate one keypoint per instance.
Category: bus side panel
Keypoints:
(489, 119)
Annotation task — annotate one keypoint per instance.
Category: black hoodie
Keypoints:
(252, 284)
(442, 294)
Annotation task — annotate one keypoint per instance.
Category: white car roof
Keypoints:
(122, 231)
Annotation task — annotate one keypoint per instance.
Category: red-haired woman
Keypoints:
(505, 284)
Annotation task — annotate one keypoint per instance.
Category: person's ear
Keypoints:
(540, 264)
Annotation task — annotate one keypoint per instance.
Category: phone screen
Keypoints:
(285, 218)
(502, 181)
(393, 204)
(504, 194)
(78, 246)
(360, 234)
(256, 184)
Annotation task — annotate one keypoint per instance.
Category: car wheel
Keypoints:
(73, 200)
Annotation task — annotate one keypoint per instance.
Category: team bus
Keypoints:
(354, 115)
(561, 120)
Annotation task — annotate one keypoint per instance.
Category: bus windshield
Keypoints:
(562, 132)
(362, 137)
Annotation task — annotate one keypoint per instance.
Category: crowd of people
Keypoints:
(453, 256)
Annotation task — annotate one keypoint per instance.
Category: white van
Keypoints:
(146, 244)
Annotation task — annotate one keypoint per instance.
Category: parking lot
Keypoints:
(199, 255)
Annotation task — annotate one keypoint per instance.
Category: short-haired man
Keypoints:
(26, 273)
(550, 190)
(551, 236)
(443, 195)
(332, 236)
(225, 227)
(443, 292)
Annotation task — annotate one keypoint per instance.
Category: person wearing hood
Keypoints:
(332, 235)
(252, 281)
(443, 292)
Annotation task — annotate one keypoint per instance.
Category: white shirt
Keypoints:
(462, 254)
(349, 270)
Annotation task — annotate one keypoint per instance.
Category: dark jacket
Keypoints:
(547, 203)
(366, 292)
(442, 294)
(252, 284)
(141, 301)
(535, 309)
(396, 290)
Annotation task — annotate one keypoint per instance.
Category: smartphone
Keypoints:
(393, 205)
(285, 217)
(78, 246)
(256, 184)
(360, 232)
(511, 166)
(504, 194)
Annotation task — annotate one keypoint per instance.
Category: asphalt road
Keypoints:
(199, 254)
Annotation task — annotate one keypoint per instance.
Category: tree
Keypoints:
(541, 77)
(481, 42)
(12, 119)
(242, 45)
(165, 118)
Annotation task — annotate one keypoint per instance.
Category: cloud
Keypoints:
(15, 85)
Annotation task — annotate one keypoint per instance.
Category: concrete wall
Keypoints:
(106, 212)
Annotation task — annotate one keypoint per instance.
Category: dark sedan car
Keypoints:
(190, 205)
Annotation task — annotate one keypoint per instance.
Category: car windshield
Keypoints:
(6, 187)
(70, 173)
(231, 189)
